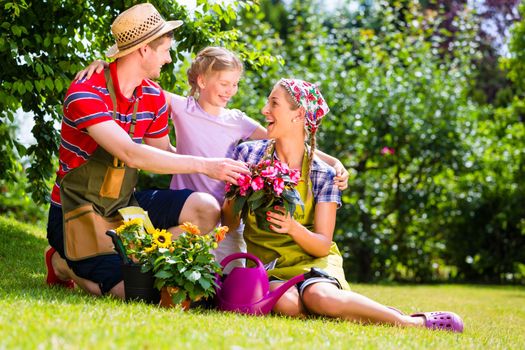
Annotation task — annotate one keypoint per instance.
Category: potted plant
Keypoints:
(184, 267)
(269, 183)
(133, 243)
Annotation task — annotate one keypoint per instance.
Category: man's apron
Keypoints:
(91, 195)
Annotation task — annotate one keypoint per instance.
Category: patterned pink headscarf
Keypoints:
(308, 96)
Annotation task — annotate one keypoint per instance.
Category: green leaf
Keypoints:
(205, 284)
(194, 276)
(28, 85)
(238, 204)
(189, 286)
(58, 84)
(256, 196)
(292, 196)
(49, 83)
(20, 87)
(16, 30)
(163, 274)
(179, 296)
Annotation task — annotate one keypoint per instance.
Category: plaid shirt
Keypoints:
(322, 175)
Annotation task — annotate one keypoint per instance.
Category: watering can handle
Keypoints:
(235, 256)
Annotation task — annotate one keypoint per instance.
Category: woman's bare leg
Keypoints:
(327, 300)
(289, 303)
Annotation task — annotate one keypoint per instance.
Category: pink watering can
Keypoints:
(246, 289)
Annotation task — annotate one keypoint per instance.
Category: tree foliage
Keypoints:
(436, 156)
(399, 85)
(44, 43)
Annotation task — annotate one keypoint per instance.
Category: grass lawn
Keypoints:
(33, 316)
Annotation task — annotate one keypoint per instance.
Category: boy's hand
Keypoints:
(341, 176)
(96, 66)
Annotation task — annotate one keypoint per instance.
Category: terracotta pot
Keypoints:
(167, 301)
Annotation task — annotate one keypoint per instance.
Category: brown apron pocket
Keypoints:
(85, 233)
(112, 182)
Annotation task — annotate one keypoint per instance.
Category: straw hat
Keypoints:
(136, 27)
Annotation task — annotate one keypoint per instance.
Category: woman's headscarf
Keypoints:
(308, 96)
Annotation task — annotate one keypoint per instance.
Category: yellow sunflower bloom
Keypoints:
(190, 228)
(162, 238)
(133, 224)
(150, 249)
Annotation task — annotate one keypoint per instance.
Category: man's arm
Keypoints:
(162, 143)
(159, 159)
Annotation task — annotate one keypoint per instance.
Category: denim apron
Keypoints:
(91, 195)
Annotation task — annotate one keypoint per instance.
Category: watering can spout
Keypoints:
(269, 301)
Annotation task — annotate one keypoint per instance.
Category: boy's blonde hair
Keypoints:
(212, 59)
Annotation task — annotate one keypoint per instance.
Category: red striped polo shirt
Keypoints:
(88, 102)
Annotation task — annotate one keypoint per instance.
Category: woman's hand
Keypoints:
(341, 176)
(95, 67)
(281, 221)
(314, 243)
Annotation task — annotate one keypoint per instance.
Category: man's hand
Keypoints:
(224, 169)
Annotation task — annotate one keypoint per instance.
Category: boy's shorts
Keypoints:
(163, 207)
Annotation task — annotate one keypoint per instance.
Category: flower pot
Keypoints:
(138, 286)
(260, 215)
(167, 301)
(260, 219)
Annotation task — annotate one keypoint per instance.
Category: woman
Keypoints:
(294, 111)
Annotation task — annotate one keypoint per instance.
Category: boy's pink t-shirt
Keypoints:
(199, 133)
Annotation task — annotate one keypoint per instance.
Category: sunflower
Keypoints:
(132, 225)
(162, 238)
(190, 228)
(150, 249)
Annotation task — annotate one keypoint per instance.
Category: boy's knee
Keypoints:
(203, 210)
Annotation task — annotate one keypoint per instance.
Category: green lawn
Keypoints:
(33, 316)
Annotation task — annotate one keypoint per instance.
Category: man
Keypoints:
(115, 123)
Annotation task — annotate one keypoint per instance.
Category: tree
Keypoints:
(44, 43)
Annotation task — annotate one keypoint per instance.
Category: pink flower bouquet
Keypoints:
(270, 183)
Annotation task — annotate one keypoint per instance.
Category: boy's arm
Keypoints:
(341, 174)
(169, 100)
(259, 133)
